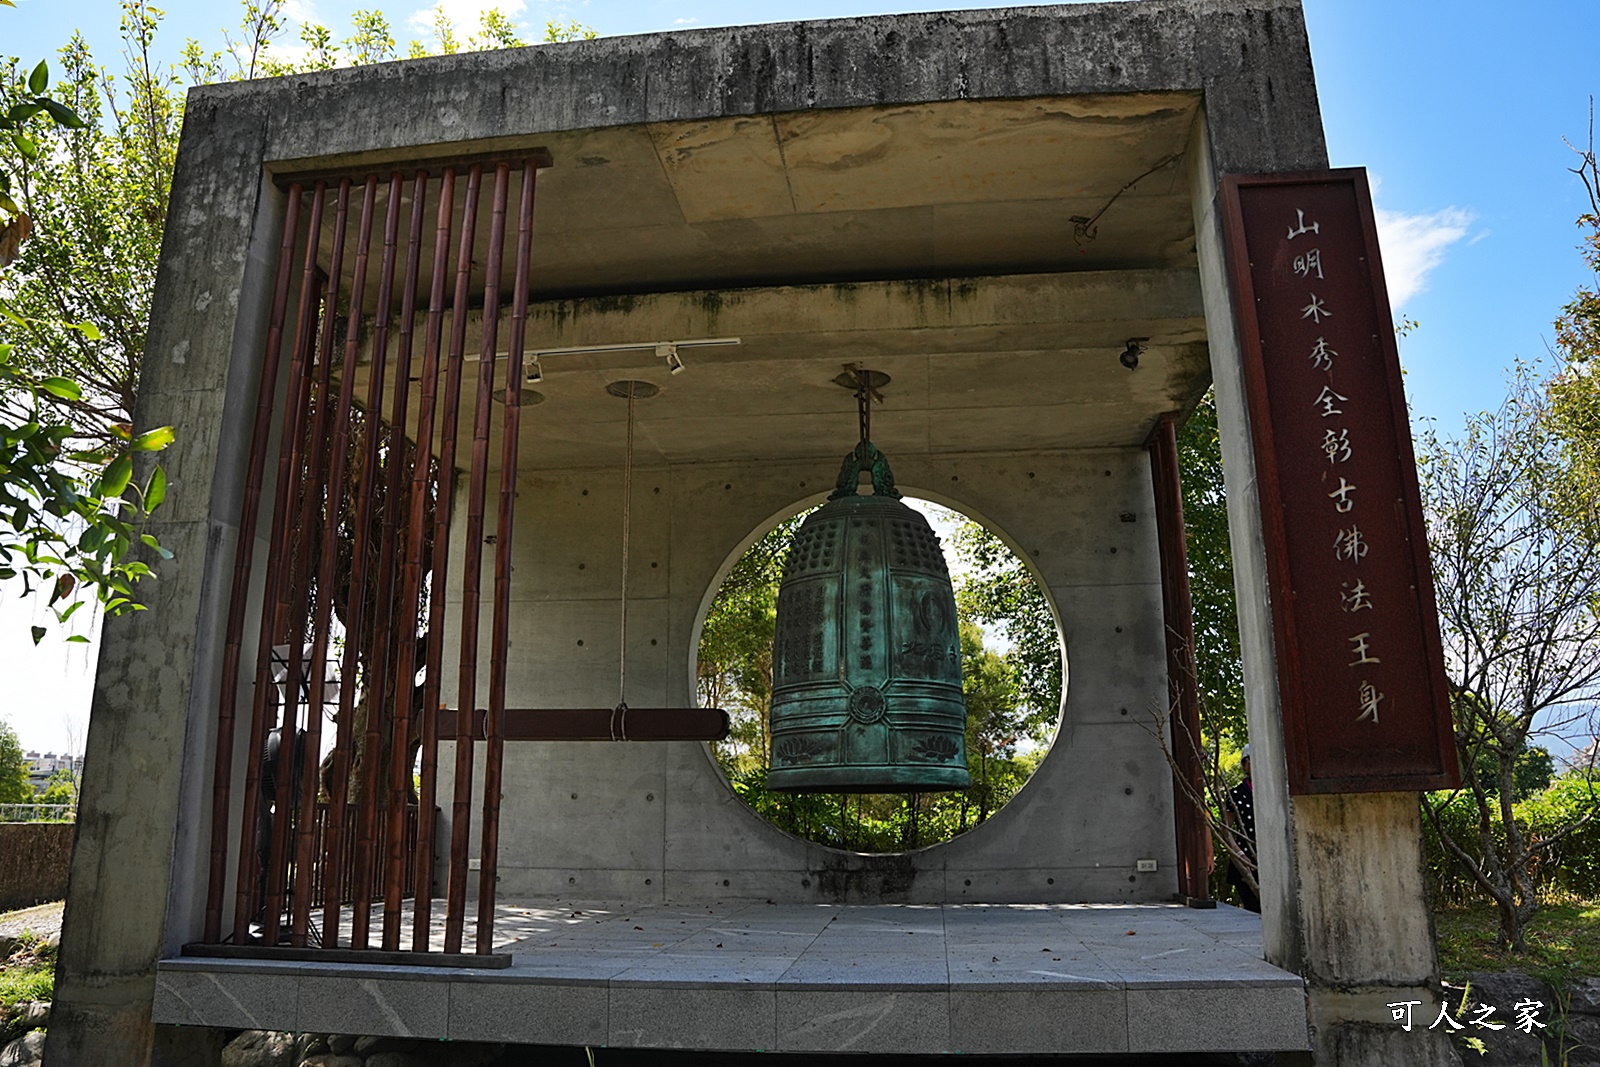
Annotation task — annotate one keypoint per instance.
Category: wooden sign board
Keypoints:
(1360, 667)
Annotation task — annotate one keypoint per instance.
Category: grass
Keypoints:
(1563, 942)
(29, 974)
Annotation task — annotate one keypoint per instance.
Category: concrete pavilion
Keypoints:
(986, 205)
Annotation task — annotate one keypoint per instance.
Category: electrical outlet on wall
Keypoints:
(476, 864)
(1146, 866)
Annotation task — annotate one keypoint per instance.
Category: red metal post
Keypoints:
(355, 593)
(376, 667)
(327, 559)
(501, 637)
(1193, 837)
(442, 506)
(222, 777)
(289, 459)
(419, 525)
(461, 809)
(472, 569)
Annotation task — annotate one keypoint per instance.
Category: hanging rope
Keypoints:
(627, 510)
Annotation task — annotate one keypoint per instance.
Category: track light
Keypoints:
(668, 350)
(1130, 355)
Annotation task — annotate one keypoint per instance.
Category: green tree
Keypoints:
(995, 722)
(14, 785)
(1219, 675)
(67, 494)
(1518, 587)
(1531, 773)
(1575, 391)
(997, 589)
(733, 668)
(62, 788)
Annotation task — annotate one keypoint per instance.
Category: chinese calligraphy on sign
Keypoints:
(1360, 671)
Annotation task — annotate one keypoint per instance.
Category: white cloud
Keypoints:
(684, 22)
(300, 11)
(464, 14)
(1413, 245)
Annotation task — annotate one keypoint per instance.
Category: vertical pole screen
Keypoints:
(1193, 836)
(328, 807)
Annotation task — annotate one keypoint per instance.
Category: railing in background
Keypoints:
(38, 813)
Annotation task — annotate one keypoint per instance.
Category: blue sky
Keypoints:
(1458, 111)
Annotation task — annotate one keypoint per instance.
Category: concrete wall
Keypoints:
(37, 857)
(659, 821)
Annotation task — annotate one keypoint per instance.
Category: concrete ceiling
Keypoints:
(1001, 327)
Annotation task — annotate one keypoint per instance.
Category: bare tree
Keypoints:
(1518, 579)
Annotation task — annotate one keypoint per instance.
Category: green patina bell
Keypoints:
(866, 694)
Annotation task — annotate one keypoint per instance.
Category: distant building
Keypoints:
(41, 766)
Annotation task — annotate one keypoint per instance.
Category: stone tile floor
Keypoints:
(986, 979)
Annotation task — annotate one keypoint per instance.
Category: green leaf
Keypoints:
(93, 537)
(117, 476)
(164, 553)
(77, 639)
(25, 144)
(89, 330)
(67, 614)
(17, 114)
(153, 440)
(39, 80)
(38, 634)
(156, 491)
(64, 115)
(65, 388)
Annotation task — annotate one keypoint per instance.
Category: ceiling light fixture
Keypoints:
(1130, 355)
(670, 351)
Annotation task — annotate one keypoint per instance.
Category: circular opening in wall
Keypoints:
(1010, 653)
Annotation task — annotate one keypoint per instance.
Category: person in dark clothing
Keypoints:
(1241, 817)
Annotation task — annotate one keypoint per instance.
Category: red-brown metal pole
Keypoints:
(301, 529)
(489, 850)
(477, 489)
(410, 591)
(1192, 836)
(338, 430)
(461, 808)
(399, 474)
(379, 676)
(355, 610)
(289, 459)
(419, 525)
(222, 777)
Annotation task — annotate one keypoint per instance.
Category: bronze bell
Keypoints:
(866, 665)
